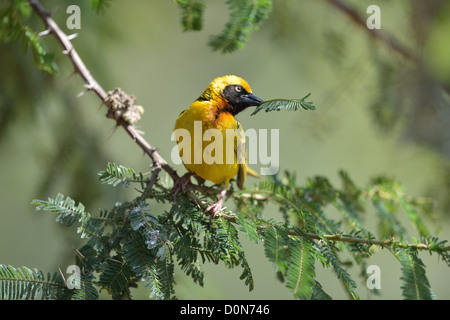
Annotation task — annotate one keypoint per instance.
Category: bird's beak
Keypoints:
(251, 100)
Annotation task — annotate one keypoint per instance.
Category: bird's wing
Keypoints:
(241, 156)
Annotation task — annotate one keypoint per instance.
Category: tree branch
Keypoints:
(92, 85)
(338, 237)
(381, 243)
(63, 39)
(382, 36)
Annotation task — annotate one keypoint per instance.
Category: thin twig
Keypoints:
(381, 243)
(92, 85)
(384, 37)
(62, 276)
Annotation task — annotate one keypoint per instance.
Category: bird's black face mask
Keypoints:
(239, 99)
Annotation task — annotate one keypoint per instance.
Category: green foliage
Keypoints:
(131, 244)
(117, 175)
(285, 104)
(292, 247)
(99, 5)
(191, 14)
(30, 284)
(415, 283)
(68, 213)
(245, 17)
(293, 259)
(328, 251)
(13, 16)
(300, 273)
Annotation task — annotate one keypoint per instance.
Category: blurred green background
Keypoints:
(377, 113)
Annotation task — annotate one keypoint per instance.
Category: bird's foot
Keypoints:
(181, 184)
(216, 209)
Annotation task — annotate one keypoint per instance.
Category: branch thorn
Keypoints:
(62, 276)
(72, 36)
(44, 33)
(68, 51)
(52, 11)
(82, 93)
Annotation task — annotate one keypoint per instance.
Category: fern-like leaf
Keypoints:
(191, 14)
(318, 293)
(245, 17)
(249, 227)
(283, 196)
(247, 275)
(415, 283)
(13, 29)
(30, 284)
(193, 269)
(65, 207)
(389, 189)
(69, 213)
(276, 247)
(99, 5)
(342, 274)
(285, 104)
(87, 290)
(300, 273)
(143, 262)
(116, 277)
(165, 270)
(117, 175)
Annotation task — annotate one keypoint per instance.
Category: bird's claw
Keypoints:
(216, 209)
(181, 184)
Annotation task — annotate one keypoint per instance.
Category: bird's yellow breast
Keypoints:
(212, 154)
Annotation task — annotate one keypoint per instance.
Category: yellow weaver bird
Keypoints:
(216, 109)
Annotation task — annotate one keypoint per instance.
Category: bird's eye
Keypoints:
(238, 88)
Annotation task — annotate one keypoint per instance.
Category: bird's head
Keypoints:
(234, 90)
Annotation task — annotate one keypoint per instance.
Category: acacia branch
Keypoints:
(365, 241)
(92, 85)
(381, 243)
(390, 41)
(79, 66)
(339, 237)
(384, 37)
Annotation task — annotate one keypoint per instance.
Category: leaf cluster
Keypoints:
(308, 233)
(245, 17)
(285, 104)
(132, 244)
(24, 283)
(14, 28)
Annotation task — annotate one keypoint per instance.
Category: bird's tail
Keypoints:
(252, 173)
